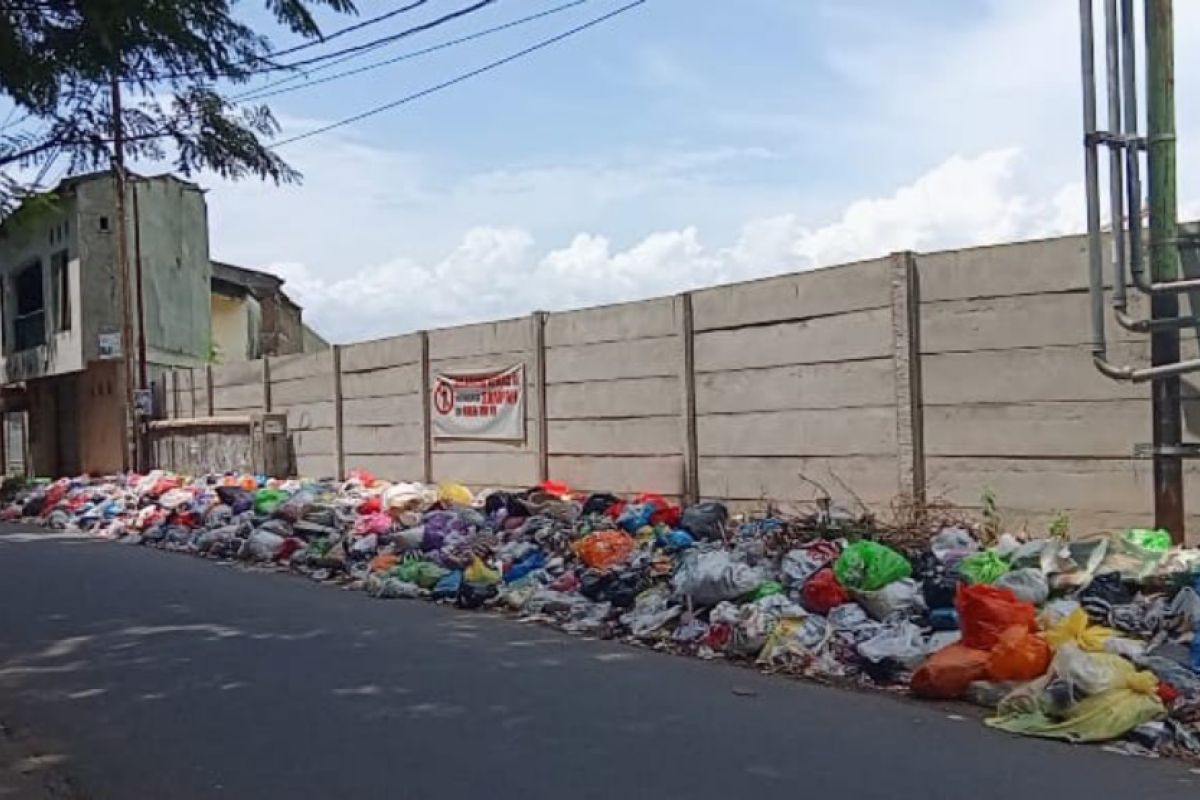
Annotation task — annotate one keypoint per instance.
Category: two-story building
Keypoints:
(61, 373)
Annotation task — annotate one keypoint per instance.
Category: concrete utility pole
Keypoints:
(1164, 264)
(129, 454)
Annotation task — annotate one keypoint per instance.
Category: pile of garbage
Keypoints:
(1083, 640)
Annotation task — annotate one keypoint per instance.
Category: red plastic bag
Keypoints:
(946, 674)
(605, 549)
(1019, 656)
(363, 476)
(372, 505)
(985, 612)
(822, 593)
(556, 488)
(664, 512)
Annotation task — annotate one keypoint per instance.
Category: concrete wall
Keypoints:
(940, 373)
(614, 397)
(236, 323)
(492, 345)
(381, 406)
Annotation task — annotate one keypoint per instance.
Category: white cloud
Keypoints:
(497, 272)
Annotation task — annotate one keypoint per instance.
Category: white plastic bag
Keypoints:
(710, 576)
(900, 597)
(651, 611)
(1027, 584)
(261, 546)
(902, 642)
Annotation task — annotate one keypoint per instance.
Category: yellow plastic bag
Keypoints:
(455, 494)
(479, 572)
(1077, 630)
(1108, 715)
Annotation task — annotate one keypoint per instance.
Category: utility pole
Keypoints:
(129, 455)
(1164, 264)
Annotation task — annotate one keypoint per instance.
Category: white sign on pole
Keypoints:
(479, 405)
(108, 346)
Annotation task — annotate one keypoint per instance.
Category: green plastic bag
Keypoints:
(869, 566)
(423, 573)
(1155, 541)
(268, 501)
(766, 589)
(1108, 715)
(985, 567)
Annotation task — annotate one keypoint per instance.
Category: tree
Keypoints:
(60, 60)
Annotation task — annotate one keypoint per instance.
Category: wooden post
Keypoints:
(192, 391)
(426, 411)
(543, 425)
(266, 384)
(175, 393)
(339, 449)
(691, 455)
(906, 361)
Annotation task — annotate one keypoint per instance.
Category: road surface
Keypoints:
(157, 675)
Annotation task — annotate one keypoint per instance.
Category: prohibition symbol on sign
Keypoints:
(443, 398)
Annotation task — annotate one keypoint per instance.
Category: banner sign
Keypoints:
(479, 405)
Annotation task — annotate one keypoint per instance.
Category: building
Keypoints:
(61, 365)
(253, 317)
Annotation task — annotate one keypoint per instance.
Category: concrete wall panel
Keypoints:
(482, 470)
(815, 293)
(307, 390)
(382, 382)
(395, 410)
(287, 368)
(644, 320)
(488, 338)
(837, 385)
(382, 439)
(634, 358)
(663, 474)
(381, 353)
(835, 432)
(633, 397)
(856, 335)
(642, 436)
(872, 478)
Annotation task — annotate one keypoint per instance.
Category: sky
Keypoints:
(680, 144)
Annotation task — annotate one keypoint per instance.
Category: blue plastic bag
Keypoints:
(534, 561)
(635, 517)
(447, 586)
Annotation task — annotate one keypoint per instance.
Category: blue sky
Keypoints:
(684, 143)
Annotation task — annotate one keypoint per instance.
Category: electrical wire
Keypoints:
(366, 23)
(266, 68)
(263, 94)
(461, 78)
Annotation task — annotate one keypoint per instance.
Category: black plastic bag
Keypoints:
(705, 520)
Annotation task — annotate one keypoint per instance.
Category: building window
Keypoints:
(60, 275)
(104, 224)
(30, 320)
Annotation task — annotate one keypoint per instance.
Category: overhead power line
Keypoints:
(262, 94)
(461, 78)
(267, 67)
(366, 23)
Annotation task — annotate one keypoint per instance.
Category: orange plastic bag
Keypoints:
(946, 674)
(985, 612)
(1019, 656)
(383, 562)
(605, 549)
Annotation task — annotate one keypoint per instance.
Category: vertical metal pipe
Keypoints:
(1164, 263)
(1112, 60)
(1091, 166)
(1133, 155)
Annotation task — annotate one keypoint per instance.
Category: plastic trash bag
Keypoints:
(802, 563)
(396, 589)
(1018, 656)
(587, 618)
(365, 545)
(454, 494)
(208, 540)
(1183, 680)
(378, 523)
(985, 612)
(710, 576)
(605, 549)
(868, 566)
(1027, 584)
(261, 546)
(1100, 717)
(237, 498)
(705, 521)
(901, 642)
(946, 674)
(822, 593)
(651, 611)
(447, 586)
(985, 567)
(1077, 629)
(424, 574)
(519, 569)
(796, 641)
(268, 501)
(1157, 541)
(1055, 611)
(480, 572)
(902, 597)
(951, 545)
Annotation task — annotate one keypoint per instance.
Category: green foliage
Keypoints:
(1060, 525)
(58, 58)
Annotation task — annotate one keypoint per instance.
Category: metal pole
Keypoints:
(1091, 167)
(143, 381)
(129, 455)
(1112, 61)
(1164, 263)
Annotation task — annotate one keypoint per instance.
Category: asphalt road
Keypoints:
(162, 676)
